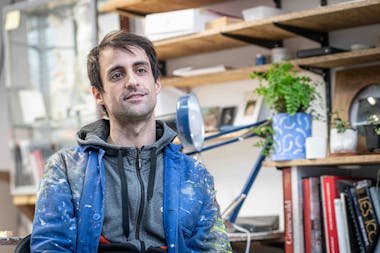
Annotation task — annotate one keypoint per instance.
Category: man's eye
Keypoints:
(141, 70)
(116, 76)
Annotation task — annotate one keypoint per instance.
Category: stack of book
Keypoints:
(331, 213)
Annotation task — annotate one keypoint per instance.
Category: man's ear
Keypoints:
(98, 96)
(158, 85)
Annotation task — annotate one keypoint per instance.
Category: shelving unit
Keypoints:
(327, 61)
(329, 161)
(144, 7)
(321, 19)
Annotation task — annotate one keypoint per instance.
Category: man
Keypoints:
(126, 185)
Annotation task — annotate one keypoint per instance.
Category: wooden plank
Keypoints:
(326, 18)
(225, 76)
(4, 176)
(26, 204)
(208, 41)
(327, 61)
(331, 160)
(341, 59)
(337, 16)
(323, 19)
(144, 7)
(19, 200)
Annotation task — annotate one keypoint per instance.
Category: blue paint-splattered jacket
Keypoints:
(69, 209)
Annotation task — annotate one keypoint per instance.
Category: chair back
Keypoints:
(24, 245)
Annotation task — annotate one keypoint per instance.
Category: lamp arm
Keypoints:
(247, 187)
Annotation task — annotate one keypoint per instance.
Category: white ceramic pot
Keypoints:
(343, 142)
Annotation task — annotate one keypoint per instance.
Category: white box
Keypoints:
(316, 147)
(261, 12)
(175, 23)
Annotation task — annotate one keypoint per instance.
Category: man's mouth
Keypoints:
(134, 95)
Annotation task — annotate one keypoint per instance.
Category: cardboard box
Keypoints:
(175, 23)
(261, 12)
(221, 22)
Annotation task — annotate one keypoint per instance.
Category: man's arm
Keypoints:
(54, 225)
(210, 234)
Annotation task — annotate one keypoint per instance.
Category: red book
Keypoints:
(288, 210)
(329, 190)
(312, 215)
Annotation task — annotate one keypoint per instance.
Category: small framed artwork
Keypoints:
(227, 116)
(211, 116)
(248, 111)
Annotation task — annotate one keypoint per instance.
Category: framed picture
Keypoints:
(227, 116)
(248, 111)
(211, 116)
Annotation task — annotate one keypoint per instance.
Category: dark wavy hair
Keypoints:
(121, 40)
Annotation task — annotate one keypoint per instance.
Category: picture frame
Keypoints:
(211, 118)
(227, 116)
(249, 109)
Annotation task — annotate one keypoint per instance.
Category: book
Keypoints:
(341, 230)
(375, 195)
(367, 214)
(297, 173)
(297, 210)
(288, 213)
(329, 192)
(357, 239)
(189, 71)
(304, 53)
(359, 217)
(350, 239)
(312, 215)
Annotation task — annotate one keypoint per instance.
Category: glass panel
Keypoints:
(46, 76)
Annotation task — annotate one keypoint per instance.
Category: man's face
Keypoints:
(130, 92)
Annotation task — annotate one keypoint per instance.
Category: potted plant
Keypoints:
(290, 97)
(343, 139)
(372, 133)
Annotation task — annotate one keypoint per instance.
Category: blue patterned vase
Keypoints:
(290, 136)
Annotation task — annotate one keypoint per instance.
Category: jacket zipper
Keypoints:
(142, 199)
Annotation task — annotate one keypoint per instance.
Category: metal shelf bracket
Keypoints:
(255, 41)
(320, 37)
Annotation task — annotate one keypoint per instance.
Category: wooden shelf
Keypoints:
(329, 161)
(341, 59)
(144, 7)
(327, 61)
(4, 176)
(199, 80)
(322, 19)
(26, 204)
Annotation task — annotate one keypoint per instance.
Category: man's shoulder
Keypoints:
(66, 153)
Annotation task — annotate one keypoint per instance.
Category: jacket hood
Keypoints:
(96, 134)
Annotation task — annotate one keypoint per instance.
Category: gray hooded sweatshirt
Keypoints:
(134, 186)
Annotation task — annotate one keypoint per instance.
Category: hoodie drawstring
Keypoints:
(152, 173)
(124, 193)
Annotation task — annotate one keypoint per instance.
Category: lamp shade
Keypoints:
(190, 125)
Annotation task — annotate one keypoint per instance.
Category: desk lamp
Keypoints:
(191, 130)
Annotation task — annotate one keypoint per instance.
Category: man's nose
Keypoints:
(132, 80)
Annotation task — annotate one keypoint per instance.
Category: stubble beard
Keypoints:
(136, 113)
